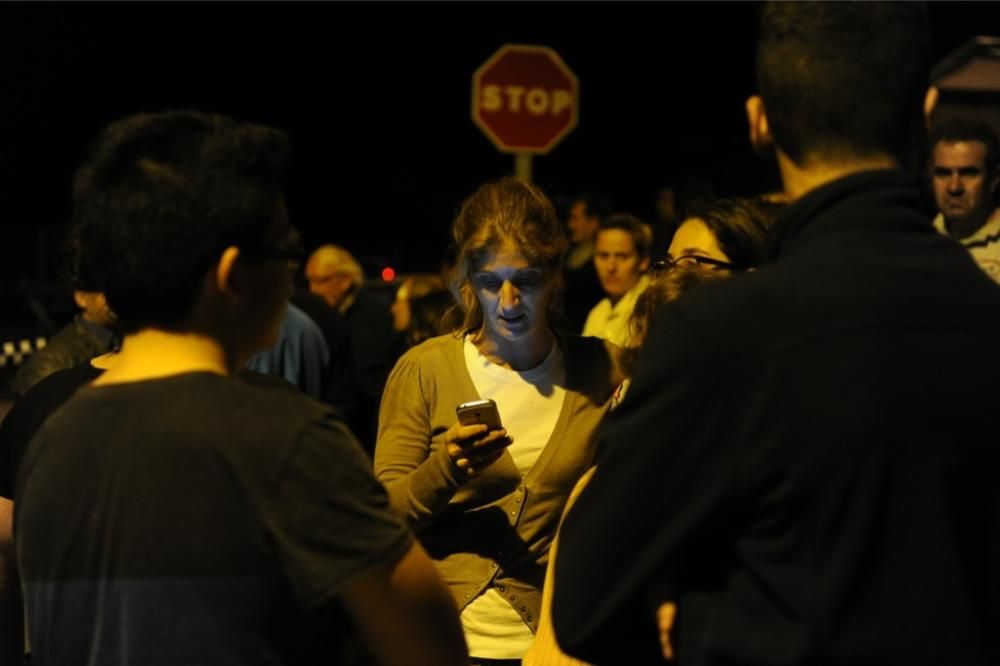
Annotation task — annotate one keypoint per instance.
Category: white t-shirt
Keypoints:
(529, 403)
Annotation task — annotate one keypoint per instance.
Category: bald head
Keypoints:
(333, 274)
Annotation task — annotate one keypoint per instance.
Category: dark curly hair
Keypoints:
(161, 195)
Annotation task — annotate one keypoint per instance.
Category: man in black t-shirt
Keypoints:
(170, 514)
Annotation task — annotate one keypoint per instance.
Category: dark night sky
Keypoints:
(376, 97)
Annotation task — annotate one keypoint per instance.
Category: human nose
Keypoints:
(955, 183)
(509, 295)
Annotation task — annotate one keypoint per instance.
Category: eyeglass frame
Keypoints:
(289, 252)
(668, 264)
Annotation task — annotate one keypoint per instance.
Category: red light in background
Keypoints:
(388, 274)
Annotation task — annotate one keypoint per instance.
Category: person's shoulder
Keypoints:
(720, 320)
(256, 386)
(432, 349)
(301, 320)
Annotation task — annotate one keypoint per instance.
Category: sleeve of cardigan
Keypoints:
(420, 477)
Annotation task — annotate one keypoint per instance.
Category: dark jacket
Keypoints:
(73, 344)
(805, 459)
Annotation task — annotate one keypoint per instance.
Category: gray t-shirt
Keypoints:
(195, 519)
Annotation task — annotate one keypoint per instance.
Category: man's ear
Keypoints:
(644, 265)
(760, 130)
(225, 273)
(930, 103)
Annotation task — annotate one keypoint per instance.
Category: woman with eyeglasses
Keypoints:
(714, 240)
(484, 501)
(725, 234)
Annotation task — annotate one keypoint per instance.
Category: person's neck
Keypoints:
(519, 355)
(962, 228)
(615, 299)
(816, 172)
(155, 353)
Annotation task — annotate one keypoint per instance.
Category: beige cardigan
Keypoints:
(494, 530)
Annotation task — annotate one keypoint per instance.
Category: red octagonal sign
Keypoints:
(525, 99)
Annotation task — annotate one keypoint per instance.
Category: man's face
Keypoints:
(961, 185)
(581, 227)
(328, 282)
(617, 262)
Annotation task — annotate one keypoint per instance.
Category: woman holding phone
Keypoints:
(486, 503)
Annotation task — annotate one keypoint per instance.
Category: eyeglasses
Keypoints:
(289, 252)
(668, 264)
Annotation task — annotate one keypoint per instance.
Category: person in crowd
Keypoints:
(431, 315)
(737, 229)
(300, 355)
(486, 503)
(168, 513)
(336, 276)
(412, 287)
(582, 286)
(788, 466)
(964, 177)
(621, 257)
(92, 332)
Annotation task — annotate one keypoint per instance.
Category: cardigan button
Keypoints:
(501, 588)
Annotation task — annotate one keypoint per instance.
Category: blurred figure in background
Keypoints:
(621, 257)
(964, 177)
(91, 333)
(431, 315)
(412, 287)
(581, 286)
(336, 276)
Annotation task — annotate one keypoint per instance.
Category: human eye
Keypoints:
(487, 281)
(969, 172)
(529, 279)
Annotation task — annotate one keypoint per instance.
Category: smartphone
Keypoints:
(479, 411)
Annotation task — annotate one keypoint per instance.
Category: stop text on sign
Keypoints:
(535, 100)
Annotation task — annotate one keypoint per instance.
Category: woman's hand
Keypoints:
(473, 448)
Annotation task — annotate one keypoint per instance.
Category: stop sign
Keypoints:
(524, 98)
